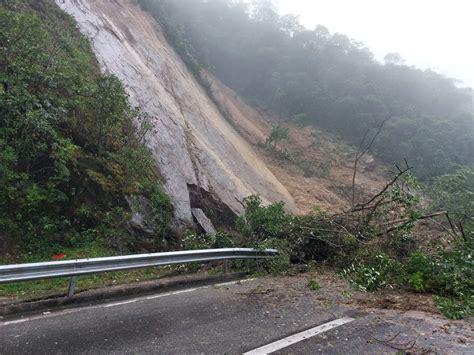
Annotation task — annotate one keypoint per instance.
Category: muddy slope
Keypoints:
(195, 148)
(320, 171)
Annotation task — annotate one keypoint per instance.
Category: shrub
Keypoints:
(449, 276)
(453, 281)
(419, 272)
(313, 285)
(277, 134)
(454, 308)
(373, 273)
(259, 223)
(193, 241)
(223, 240)
(279, 264)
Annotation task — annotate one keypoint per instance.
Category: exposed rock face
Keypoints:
(192, 143)
(202, 220)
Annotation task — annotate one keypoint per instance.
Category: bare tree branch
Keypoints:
(407, 221)
(361, 151)
(400, 173)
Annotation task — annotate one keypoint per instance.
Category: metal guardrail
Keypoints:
(75, 268)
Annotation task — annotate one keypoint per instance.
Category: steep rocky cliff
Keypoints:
(197, 152)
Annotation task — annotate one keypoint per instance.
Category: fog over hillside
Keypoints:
(329, 80)
(428, 34)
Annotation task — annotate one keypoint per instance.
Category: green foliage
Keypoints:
(162, 208)
(435, 144)
(370, 256)
(223, 240)
(314, 285)
(264, 227)
(372, 273)
(277, 134)
(70, 151)
(449, 276)
(284, 154)
(419, 272)
(259, 222)
(194, 241)
(455, 309)
(31, 290)
(281, 263)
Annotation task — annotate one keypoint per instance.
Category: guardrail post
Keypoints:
(72, 286)
(226, 266)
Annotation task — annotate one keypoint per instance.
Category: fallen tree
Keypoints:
(374, 244)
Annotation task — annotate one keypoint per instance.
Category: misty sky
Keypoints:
(436, 34)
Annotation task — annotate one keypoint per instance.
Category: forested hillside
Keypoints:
(329, 80)
(73, 167)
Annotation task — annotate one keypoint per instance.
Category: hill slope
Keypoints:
(197, 144)
(193, 145)
(327, 80)
(319, 171)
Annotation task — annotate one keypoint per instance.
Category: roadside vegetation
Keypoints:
(375, 245)
(73, 166)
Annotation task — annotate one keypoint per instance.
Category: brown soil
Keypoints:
(328, 183)
(396, 300)
(335, 289)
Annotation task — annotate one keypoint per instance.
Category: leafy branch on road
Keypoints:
(374, 243)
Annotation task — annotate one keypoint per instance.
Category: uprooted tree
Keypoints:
(375, 243)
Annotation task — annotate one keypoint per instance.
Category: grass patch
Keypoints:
(29, 290)
(314, 285)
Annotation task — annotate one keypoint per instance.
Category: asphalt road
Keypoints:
(218, 319)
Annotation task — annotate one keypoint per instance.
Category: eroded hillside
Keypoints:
(195, 148)
(319, 172)
(199, 152)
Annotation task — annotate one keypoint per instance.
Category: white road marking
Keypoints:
(49, 315)
(120, 303)
(233, 282)
(75, 310)
(295, 338)
(174, 293)
(16, 321)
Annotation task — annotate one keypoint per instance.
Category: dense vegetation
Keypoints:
(376, 244)
(371, 249)
(72, 161)
(331, 81)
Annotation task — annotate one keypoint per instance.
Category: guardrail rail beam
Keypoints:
(75, 268)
